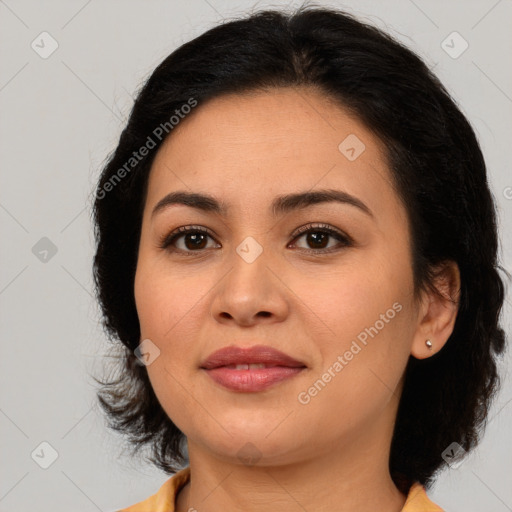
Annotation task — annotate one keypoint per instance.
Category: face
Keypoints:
(341, 302)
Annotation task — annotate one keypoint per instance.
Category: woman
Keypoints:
(296, 247)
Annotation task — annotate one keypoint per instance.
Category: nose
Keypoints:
(251, 292)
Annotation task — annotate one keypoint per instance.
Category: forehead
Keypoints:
(249, 148)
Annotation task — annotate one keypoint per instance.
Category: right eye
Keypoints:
(194, 237)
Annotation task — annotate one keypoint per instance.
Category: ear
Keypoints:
(438, 311)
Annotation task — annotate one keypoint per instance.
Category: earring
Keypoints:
(429, 344)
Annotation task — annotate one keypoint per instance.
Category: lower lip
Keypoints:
(251, 380)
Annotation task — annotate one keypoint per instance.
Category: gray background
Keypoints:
(61, 116)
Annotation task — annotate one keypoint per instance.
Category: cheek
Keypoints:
(169, 310)
(163, 300)
(353, 298)
(369, 315)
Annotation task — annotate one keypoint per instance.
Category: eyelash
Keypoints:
(167, 240)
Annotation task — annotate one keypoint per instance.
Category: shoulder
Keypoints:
(418, 501)
(164, 499)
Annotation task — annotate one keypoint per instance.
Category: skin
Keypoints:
(332, 453)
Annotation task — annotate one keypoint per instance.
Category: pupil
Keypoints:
(314, 236)
(195, 237)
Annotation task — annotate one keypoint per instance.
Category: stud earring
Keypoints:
(429, 344)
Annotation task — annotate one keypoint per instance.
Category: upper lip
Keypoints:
(255, 354)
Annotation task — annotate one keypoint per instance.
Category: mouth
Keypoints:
(249, 370)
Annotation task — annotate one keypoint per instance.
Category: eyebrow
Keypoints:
(280, 205)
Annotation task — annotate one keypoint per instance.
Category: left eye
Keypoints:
(319, 237)
(194, 239)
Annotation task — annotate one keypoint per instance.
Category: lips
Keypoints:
(255, 355)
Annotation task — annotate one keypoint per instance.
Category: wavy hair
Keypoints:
(438, 170)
